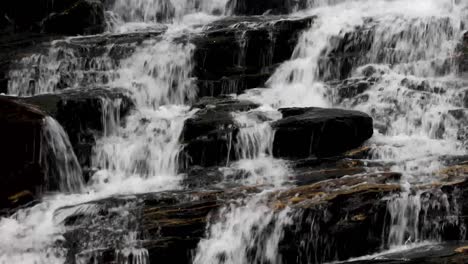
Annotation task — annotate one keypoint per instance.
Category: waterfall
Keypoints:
(60, 164)
(148, 146)
(406, 44)
(401, 54)
(153, 11)
(246, 233)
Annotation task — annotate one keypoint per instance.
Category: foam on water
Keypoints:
(248, 232)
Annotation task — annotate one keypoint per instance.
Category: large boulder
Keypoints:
(85, 114)
(209, 135)
(318, 131)
(22, 174)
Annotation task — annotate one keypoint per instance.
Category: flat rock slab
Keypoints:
(318, 131)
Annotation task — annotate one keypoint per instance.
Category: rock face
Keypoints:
(20, 137)
(246, 7)
(82, 18)
(79, 16)
(464, 55)
(232, 56)
(209, 135)
(322, 132)
(85, 114)
(168, 225)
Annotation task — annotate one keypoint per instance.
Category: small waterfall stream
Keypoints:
(407, 50)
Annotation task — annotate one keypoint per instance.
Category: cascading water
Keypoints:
(411, 41)
(61, 166)
(148, 146)
(406, 48)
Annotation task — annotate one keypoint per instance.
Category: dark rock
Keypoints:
(83, 17)
(366, 224)
(321, 132)
(448, 252)
(85, 114)
(463, 60)
(259, 7)
(20, 155)
(346, 53)
(349, 214)
(357, 48)
(231, 57)
(168, 225)
(209, 135)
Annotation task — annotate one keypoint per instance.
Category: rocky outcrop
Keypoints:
(464, 55)
(82, 18)
(232, 55)
(20, 155)
(63, 17)
(209, 135)
(246, 7)
(85, 114)
(348, 214)
(321, 132)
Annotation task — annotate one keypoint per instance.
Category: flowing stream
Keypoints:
(409, 44)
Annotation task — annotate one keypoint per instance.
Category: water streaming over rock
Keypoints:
(61, 167)
(400, 56)
(410, 45)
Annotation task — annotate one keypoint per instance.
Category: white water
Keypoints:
(412, 39)
(60, 164)
(246, 233)
(254, 149)
(135, 155)
(142, 155)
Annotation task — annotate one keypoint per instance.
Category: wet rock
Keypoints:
(209, 135)
(346, 53)
(20, 154)
(464, 55)
(239, 53)
(353, 87)
(449, 252)
(348, 216)
(166, 225)
(85, 114)
(364, 199)
(246, 7)
(82, 18)
(321, 132)
(362, 45)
